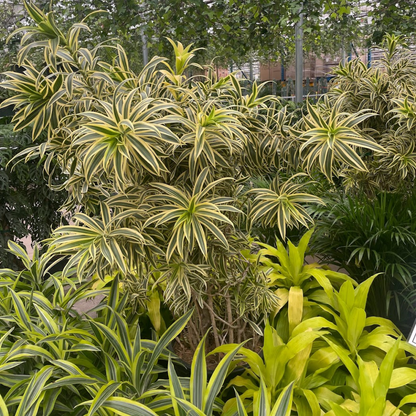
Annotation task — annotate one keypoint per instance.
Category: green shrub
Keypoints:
(28, 205)
(56, 360)
(366, 236)
(156, 164)
(338, 359)
(387, 90)
(332, 358)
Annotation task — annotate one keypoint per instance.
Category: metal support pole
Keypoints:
(145, 50)
(251, 70)
(355, 50)
(299, 59)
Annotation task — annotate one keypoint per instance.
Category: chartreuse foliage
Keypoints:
(56, 362)
(293, 280)
(372, 384)
(328, 350)
(339, 359)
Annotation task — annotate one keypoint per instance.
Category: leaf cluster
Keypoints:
(157, 166)
(28, 205)
(363, 237)
(338, 360)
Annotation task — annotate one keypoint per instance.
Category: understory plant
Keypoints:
(28, 206)
(366, 236)
(338, 359)
(55, 361)
(334, 359)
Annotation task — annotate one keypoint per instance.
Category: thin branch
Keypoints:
(212, 316)
(210, 308)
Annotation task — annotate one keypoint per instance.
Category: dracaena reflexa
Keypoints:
(125, 135)
(211, 136)
(332, 137)
(191, 216)
(101, 243)
(283, 205)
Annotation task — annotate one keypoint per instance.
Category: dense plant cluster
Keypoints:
(322, 354)
(28, 205)
(388, 91)
(167, 177)
(158, 166)
(367, 225)
(366, 236)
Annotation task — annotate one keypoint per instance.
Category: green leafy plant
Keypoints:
(366, 236)
(333, 137)
(156, 165)
(373, 385)
(282, 407)
(293, 280)
(385, 90)
(202, 394)
(192, 215)
(203, 399)
(29, 206)
(283, 205)
(56, 360)
(334, 340)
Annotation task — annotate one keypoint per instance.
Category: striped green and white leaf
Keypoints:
(282, 406)
(332, 140)
(33, 393)
(191, 217)
(203, 395)
(125, 136)
(99, 244)
(213, 137)
(283, 205)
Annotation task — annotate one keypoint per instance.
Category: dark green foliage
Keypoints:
(389, 18)
(27, 205)
(367, 236)
(229, 30)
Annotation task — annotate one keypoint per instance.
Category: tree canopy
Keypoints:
(233, 30)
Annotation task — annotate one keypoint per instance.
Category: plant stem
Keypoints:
(212, 314)
(193, 340)
(230, 320)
